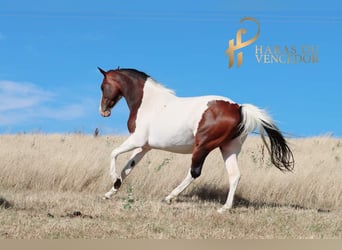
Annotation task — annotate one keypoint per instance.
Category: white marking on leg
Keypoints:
(110, 193)
(180, 188)
(137, 155)
(128, 145)
(230, 154)
(234, 177)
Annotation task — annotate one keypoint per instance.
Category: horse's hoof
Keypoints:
(222, 210)
(165, 201)
(107, 196)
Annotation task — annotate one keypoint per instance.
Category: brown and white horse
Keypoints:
(195, 125)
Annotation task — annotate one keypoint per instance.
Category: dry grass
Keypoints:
(52, 185)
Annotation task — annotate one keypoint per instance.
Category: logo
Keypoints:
(293, 54)
(270, 54)
(239, 44)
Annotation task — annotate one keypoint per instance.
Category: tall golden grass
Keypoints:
(80, 163)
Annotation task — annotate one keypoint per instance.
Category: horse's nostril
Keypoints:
(106, 113)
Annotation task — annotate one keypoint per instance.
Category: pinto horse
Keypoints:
(159, 119)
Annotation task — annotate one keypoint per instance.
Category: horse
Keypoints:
(159, 119)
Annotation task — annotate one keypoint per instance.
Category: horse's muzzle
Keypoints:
(105, 113)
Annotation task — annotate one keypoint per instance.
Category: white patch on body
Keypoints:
(169, 122)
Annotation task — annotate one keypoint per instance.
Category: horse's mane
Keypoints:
(133, 72)
(162, 87)
(139, 74)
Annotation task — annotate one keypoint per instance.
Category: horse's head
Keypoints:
(111, 93)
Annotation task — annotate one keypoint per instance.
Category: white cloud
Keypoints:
(67, 112)
(14, 96)
(26, 102)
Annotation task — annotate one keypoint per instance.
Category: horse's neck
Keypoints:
(157, 93)
(154, 96)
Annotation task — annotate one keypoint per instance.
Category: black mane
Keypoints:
(133, 73)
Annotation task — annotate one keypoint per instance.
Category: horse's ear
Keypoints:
(102, 71)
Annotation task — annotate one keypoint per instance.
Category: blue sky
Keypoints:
(49, 51)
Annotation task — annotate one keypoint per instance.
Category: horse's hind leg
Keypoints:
(180, 188)
(198, 158)
(230, 154)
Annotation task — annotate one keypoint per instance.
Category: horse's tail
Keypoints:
(255, 118)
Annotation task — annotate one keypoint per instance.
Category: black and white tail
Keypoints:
(255, 118)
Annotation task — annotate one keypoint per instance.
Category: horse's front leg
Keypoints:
(137, 155)
(128, 145)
